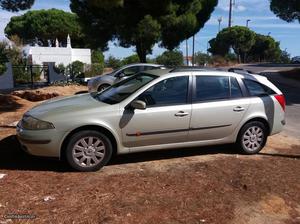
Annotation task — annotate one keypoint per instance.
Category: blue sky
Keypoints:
(262, 21)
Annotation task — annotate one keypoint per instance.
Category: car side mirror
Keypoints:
(120, 75)
(138, 104)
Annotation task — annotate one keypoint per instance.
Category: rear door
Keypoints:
(218, 107)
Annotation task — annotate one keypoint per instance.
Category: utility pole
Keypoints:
(247, 22)
(230, 13)
(220, 20)
(193, 57)
(187, 52)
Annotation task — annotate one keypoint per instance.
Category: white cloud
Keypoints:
(255, 19)
(243, 5)
(277, 25)
(236, 8)
(240, 8)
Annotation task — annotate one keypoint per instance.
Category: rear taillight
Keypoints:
(281, 101)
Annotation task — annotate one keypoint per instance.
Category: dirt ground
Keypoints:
(199, 185)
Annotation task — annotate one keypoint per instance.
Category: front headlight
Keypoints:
(31, 123)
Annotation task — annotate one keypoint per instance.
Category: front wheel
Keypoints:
(252, 137)
(88, 151)
(103, 87)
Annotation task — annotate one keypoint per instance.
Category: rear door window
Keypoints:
(210, 88)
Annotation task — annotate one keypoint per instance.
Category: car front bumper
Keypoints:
(46, 143)
(92, 86)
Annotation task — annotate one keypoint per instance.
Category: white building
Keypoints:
(59, 55)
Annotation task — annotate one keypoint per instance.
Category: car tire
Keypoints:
(88, 151)
(252, 137)
(103, 87)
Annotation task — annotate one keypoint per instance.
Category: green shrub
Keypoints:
(202, 58)
(94, 70)
(97, 57)
(3, 68)
(170, 58)
(131, 59)
(113, 62)
(76, 69)
(59, 69)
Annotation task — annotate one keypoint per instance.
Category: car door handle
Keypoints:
(238, 109)
(181, 114)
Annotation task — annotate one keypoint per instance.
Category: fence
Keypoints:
(30, 75)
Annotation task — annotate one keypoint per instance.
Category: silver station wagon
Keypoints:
(156, 109)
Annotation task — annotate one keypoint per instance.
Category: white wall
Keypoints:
(6, 80)
(59, 55)
(83, 55)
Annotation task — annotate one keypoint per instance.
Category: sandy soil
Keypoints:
(12, 106)
(200, 185)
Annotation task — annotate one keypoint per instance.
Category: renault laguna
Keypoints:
(154, 110)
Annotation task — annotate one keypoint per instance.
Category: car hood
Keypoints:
(65, 105)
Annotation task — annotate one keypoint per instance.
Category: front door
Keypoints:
(166, 118)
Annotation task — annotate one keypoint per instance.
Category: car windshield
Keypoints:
(121, 90)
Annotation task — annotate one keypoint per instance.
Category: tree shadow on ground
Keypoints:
(14, 158)
(173, 153)
(8, 103)
(280, 155)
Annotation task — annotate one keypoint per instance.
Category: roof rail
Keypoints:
(240, 71)
(194, 69)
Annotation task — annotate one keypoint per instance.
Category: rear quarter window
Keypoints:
(257, 89)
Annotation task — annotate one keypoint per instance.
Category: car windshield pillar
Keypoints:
(121, 90)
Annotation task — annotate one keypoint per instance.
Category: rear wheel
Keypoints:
(103, 87)
(88, 151)
(252, 137)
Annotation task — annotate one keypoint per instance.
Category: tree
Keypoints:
(131, 59)
(170, 58)
(145, 35)
(202, 58)
(239, 38)
(16, 5)
(265, 48)
(284, 57)
(113, 62)
(46, 25)
(142, 23)
(3, 57)
(288, 10)
(97, 57)
(218, 46)
(9, 53)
